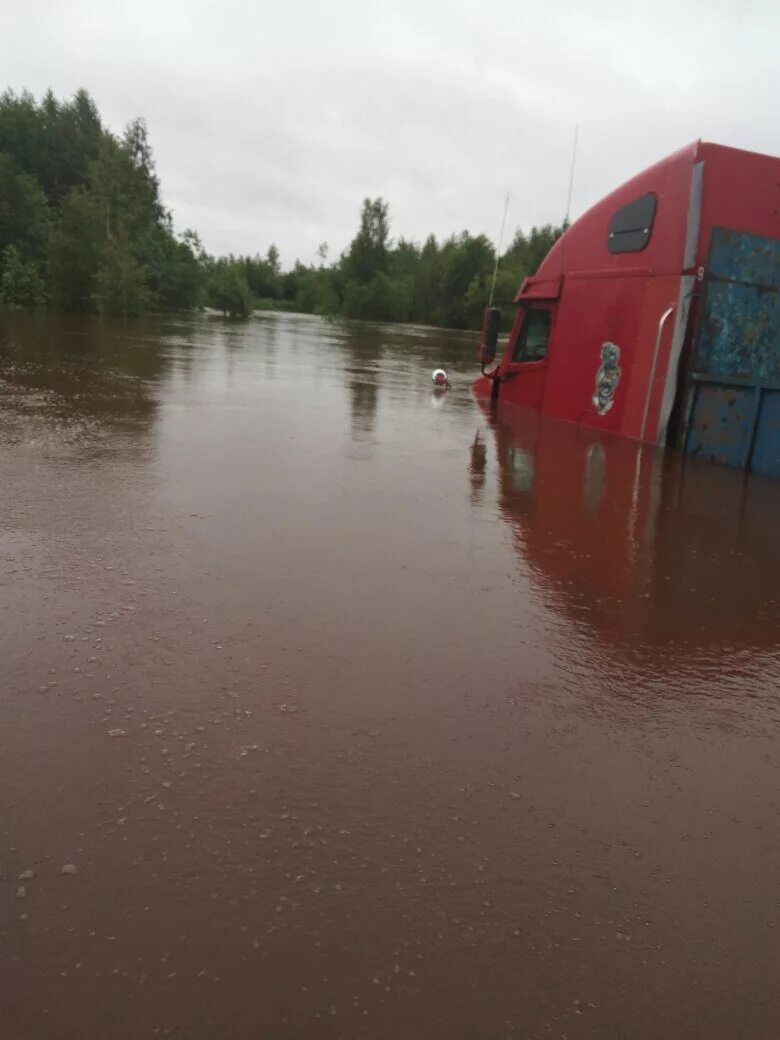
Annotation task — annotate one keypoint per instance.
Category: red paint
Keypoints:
(597, 298)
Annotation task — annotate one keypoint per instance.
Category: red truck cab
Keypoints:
(655, 315)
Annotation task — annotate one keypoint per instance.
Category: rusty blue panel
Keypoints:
(719, 425)
(735, 403)
(766, 447)
(740, 333)
(744, 258)
(739, 336)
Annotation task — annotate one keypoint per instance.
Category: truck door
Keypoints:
(733, 413)
(524, 369)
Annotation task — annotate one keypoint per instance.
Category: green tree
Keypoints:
(24, 215)
(367, 254)
(119, 180)
(229, 291)
(54, 142)
(272, 259)
(120, 281)
(381, 299)
(262, 274)
(427, 283)
(182, 281)
(20, 282)
(317, 291)
(463, 259)
(528, 251)
(21, 130)
(74, 250)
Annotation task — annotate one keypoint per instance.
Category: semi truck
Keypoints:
(656, 315)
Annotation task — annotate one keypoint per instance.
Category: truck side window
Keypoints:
(631, 227)
(534, 333)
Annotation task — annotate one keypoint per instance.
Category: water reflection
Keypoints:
(362, 347)
(478, 466)
(644, 547)
(77, 371)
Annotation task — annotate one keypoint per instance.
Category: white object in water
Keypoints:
(439, 377)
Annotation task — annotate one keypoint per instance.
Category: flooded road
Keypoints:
(355, 713)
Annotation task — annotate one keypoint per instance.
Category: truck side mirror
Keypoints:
(491, 325)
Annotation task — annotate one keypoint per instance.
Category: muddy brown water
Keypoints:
(433, 725)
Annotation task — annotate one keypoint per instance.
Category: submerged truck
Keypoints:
(656, 315)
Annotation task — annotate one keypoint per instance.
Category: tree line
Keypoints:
(83, 227)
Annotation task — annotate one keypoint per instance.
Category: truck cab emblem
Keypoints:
(607, 378)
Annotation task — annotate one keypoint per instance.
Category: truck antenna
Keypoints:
(571, 175)
(498, 251)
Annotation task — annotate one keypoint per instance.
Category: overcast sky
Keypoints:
(271, 121)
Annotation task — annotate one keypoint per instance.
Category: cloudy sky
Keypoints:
(270, 122)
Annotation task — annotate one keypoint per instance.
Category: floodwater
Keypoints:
(362, 714)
